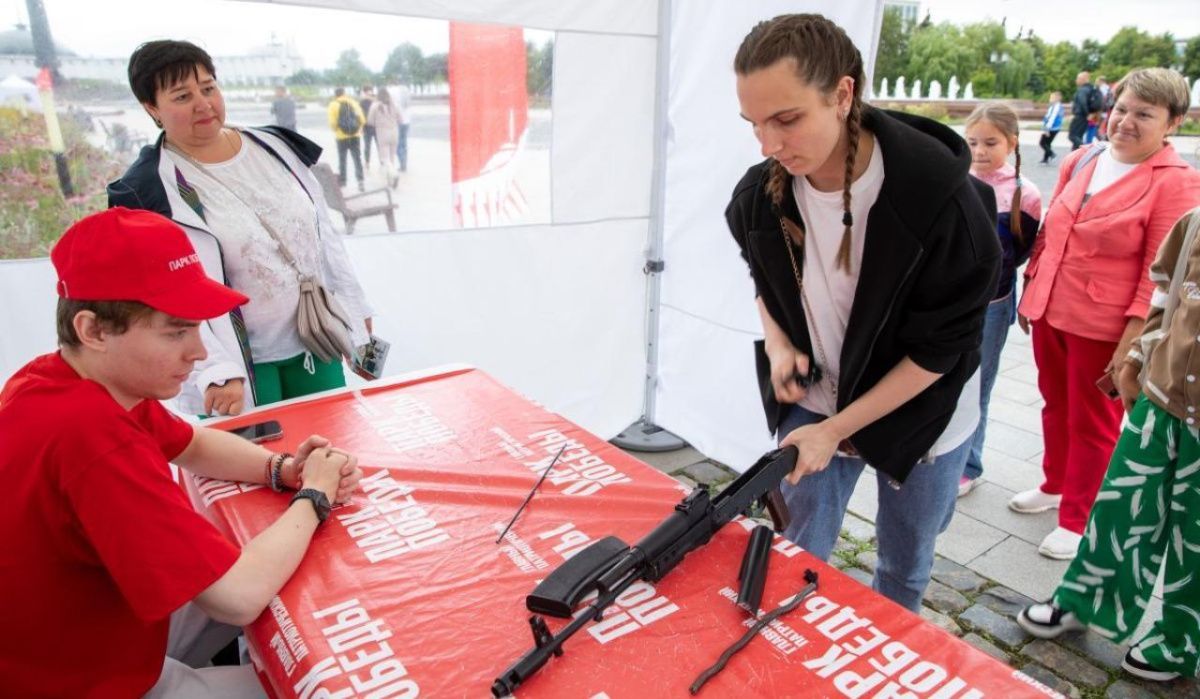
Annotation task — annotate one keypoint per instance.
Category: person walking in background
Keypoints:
(402, 102)
(1085, 102)
(366, 98)
(992, 135)
(1146, 509)
(384, 119)
(283, 109)
(873, 258)
(1051, 125)
(1106, 105)
(346, 119)
(1087, 291)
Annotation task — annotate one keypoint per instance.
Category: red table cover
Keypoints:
(405, 592)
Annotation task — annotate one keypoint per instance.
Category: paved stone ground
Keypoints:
(987, 566)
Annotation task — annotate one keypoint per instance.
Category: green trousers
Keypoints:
(1148, 508)
(295, 377)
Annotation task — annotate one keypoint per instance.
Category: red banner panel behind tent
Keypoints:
(405, 591)
(488, 120)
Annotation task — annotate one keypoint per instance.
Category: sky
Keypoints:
(226, 27)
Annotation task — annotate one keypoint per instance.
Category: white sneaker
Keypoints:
(1136, 665)
(1047, 621)
(1060, 544)
(1029, 502)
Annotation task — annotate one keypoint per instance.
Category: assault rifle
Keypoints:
(609, 566)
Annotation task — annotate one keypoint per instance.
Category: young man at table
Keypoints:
(106, 569)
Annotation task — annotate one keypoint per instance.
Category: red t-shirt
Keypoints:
(100, 545)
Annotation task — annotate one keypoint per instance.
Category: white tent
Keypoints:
(647, 145)
(18, 91)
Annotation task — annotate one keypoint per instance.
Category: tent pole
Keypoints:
(644, 435)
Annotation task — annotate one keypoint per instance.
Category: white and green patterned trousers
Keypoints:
(1148, 508)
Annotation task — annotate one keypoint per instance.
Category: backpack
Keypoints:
(347, 121)
(1095, 100)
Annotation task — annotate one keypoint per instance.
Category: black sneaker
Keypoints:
(1136, 665)
(1047, 621)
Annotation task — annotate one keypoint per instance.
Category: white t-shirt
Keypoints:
(253, 262)
(1108, 170)
(831, 291)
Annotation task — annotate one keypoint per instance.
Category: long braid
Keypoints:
(853, 122)
(777, 184)
(1014, 213)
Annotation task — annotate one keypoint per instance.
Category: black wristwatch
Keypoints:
(318, 499)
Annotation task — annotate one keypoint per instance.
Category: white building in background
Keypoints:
(262, 66)
(910, 10)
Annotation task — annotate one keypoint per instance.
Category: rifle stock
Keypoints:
(609, 566)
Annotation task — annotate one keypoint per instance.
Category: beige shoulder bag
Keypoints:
(321, 322)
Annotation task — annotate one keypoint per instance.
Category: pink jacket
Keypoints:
(1089, 269)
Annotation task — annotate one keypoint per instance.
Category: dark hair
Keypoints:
(824, 54)
(339, 91)
(114, 316)
(157, 65)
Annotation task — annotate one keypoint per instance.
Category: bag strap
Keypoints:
(283, 248)
(1180, 267)
(1092, 153)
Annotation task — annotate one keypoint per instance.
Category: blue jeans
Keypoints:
(909, 519)
(1000, 315)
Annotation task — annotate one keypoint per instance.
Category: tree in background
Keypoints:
(938, 51)
(891, 59)
(350, 71)
(1130, 48)
(404, 64)
(305, 76)
(539, 68)
(1191, 58)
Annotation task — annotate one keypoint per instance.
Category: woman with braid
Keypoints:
(874, 258)
(991, 133)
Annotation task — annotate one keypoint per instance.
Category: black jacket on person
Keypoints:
(929, 269)
(1087, 100)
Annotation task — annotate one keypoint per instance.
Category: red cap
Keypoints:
(130, 255)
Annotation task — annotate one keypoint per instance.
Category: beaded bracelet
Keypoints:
(275, 470)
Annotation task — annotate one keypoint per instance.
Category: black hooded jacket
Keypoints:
(929, 269)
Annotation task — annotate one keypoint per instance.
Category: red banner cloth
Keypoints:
(405, 592)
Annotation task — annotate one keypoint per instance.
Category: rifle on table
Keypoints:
(609, 566)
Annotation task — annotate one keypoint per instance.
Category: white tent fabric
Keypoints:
(558, 311)
(18, 91)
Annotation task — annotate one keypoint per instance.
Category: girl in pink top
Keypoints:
(991, 134)
(1087, 288)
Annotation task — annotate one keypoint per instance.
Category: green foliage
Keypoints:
(1023, 66)
(891, 58)
(304, 77)
(404, 65)
(33, 211)
(539, 68)
(349, 71)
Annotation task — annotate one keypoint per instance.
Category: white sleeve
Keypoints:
(218, 367)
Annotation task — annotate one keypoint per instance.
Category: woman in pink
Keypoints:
(1087, 289)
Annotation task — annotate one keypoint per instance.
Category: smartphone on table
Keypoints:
(259, 432)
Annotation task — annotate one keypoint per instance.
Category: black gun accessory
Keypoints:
(530, 495)
(813, 376)
(810, 577)
(609, 566)
(752, 577)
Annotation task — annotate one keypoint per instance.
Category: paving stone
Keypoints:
(1051, 680)
(989, 504)
(1070, 666)
(941, 621)
(986, 646)
(967, 539)
(945, 599)
(1004, 601)
(669, 461)
(707, 472)
(956, 576)
(685, 480)
(864, 501)
(868, 560)
(1182, 688)
(1014, 414)
(1096, 647)
(859, 529)
(1009, 472)
(1123, 689)
(1017, 565)
(1013, 441)
(860, 575)
(1003, 629)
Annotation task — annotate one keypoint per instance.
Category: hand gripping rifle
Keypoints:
(609, 566)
